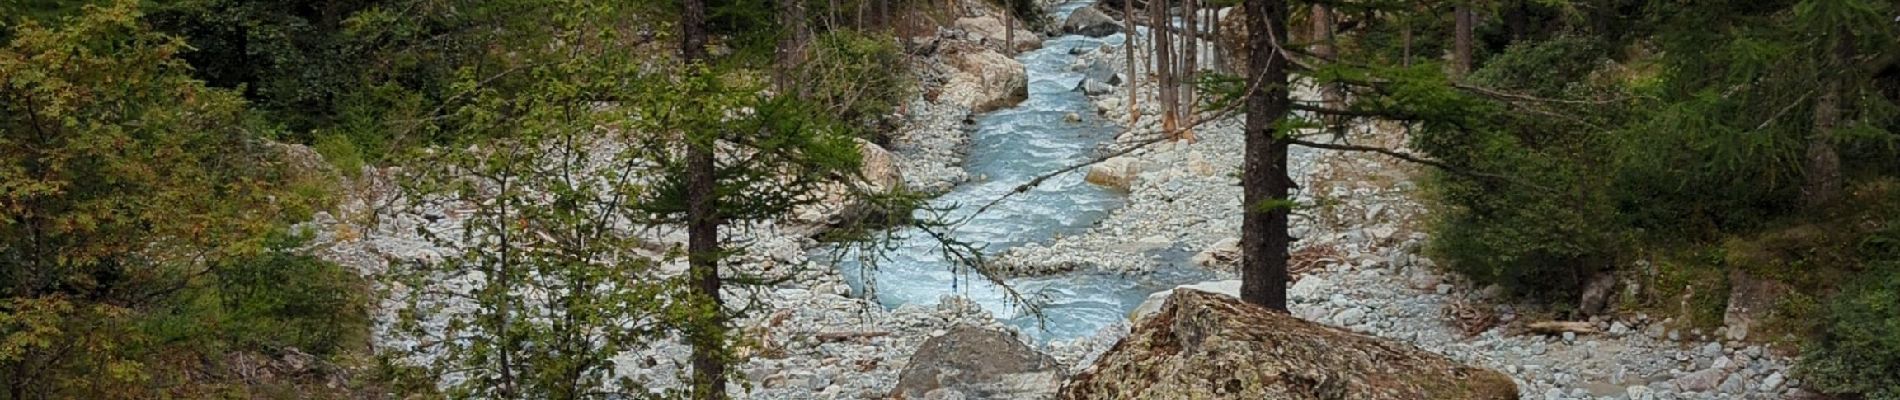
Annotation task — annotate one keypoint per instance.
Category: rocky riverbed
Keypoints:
(1358, 256)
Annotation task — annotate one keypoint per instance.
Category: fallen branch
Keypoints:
(1561, 327)
(843, 336)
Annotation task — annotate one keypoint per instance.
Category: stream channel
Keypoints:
(1009, 147)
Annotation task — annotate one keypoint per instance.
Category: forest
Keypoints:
(796, 199)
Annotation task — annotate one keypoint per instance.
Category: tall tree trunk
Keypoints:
(1331, 95)
(1190, 57)
(708, 339)
(1164, 62)
(1405, 36)
(1264, 181)
(1214, 58)
(1461, 41)
(1822, 174)
(1134, 76)
(791, 44)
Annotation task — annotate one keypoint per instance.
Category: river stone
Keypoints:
(976, 363)
(836, 206)
(1118, 172)
(1209, 346)
(1225, 254)
(984, 79)
(1093, 87)
(1701, 381)
(1091, 22)
(990, 30)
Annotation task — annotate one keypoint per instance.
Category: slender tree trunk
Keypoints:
(1213, 39)
(1190, 57)
(1164, 62)
(1822, 174)
(708, 338)
(1264, 180)
(791, 44)
(1331, 95)
(1134, 76)
(1405, 36)
(1461, 41)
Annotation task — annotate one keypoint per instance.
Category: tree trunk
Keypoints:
(1822, 174)
(1461, 42)
(1164, 62)
(1331, 95)
(1213, 39)
(708, 339)
(1405, 36)
(1128, 46)
(791, 44)
(1264, 181)
(1190, 57)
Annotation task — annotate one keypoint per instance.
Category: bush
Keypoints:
(1859, 350)
(1548, 229)
(285, 298)
(278, 299)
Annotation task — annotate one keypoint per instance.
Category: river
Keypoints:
(1009, 147)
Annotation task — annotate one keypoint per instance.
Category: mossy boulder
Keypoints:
(1209, 346)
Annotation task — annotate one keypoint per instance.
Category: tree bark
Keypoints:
(1461, 41)
(1264, 178)
(1822, 174)
(702, 230)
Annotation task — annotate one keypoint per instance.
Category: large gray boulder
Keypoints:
(977, 363)
(836, 206)
(1210, 346)
(1091, 22)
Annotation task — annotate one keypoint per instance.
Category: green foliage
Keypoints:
(1860, 349)
(139, 206)
(286, 299)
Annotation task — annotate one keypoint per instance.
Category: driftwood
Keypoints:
(843, 336)
(1559, 327)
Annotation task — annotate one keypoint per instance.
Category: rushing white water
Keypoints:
(1010, 147)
